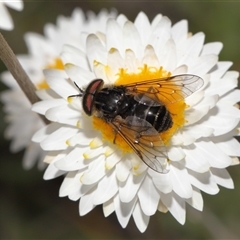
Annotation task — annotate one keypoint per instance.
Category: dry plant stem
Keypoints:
(15, 68)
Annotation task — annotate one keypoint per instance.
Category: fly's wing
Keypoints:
(170, 89)
(146, 100)
(146, 142)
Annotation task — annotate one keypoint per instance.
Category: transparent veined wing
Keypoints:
(170, 89)
(145, 141)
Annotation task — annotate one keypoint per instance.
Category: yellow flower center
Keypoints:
(176, 109)
(56, 64)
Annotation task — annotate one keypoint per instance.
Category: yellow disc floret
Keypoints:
(176, 109)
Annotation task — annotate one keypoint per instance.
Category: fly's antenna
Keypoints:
(80, 92)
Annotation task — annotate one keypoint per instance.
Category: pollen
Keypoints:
(108, 134)
(55, 64)
(144, 73)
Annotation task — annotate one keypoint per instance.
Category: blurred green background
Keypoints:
(30, 207)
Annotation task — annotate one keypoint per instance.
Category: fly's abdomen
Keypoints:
(160, 118)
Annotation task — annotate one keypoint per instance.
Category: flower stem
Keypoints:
(15, 68)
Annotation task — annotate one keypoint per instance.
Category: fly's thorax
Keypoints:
(111, 101)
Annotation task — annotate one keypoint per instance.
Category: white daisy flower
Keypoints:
(6, 22)
(43, 53)
(200, 144)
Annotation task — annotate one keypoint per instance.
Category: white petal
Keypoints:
(195, 159)
(86, 203)
(162, 181)
(59, 81)
(45, 131)
(209, 101)
(79, 189)
(131, 62)
(108, 207)
(179, 31)
(219, 70)
(6, 20)
(204, 181)
(194, 115)
(62, 113)
(138, 166)
(128, 190)
(112, 160)
(43, 106)
(213, 154)
(197, 131)
(203, 64)
(52, 172)
(121, 19)
(190, 49)
(182, 138)
(228, 145)
(222, 177)
(212, 48)
(67, 184)
(222, 85)
(180, 180)
(140, 218)
(35, 42)
(31, 155)
(106, 189)
(175, 153)
(162, 29)
(91, 154)
(79, 75)
(95, 172)
(228, 111)
(168, 57)
(73, 161)
(132, 39)
(194, 99)
(115, 36)
(46, 94)
(156, 20)
(83, 138)
(148, 197)
(219, 124)
(16, 5)
(180, 70)
(57, 140)
(95, 51)
(124, 210)
(74, 56)
(143, 26)
(196, 200)
(51, 156)
(150, 58)
(99, 70)
(231, 98)
(115, 60)
(175, 205)
(123, 169)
